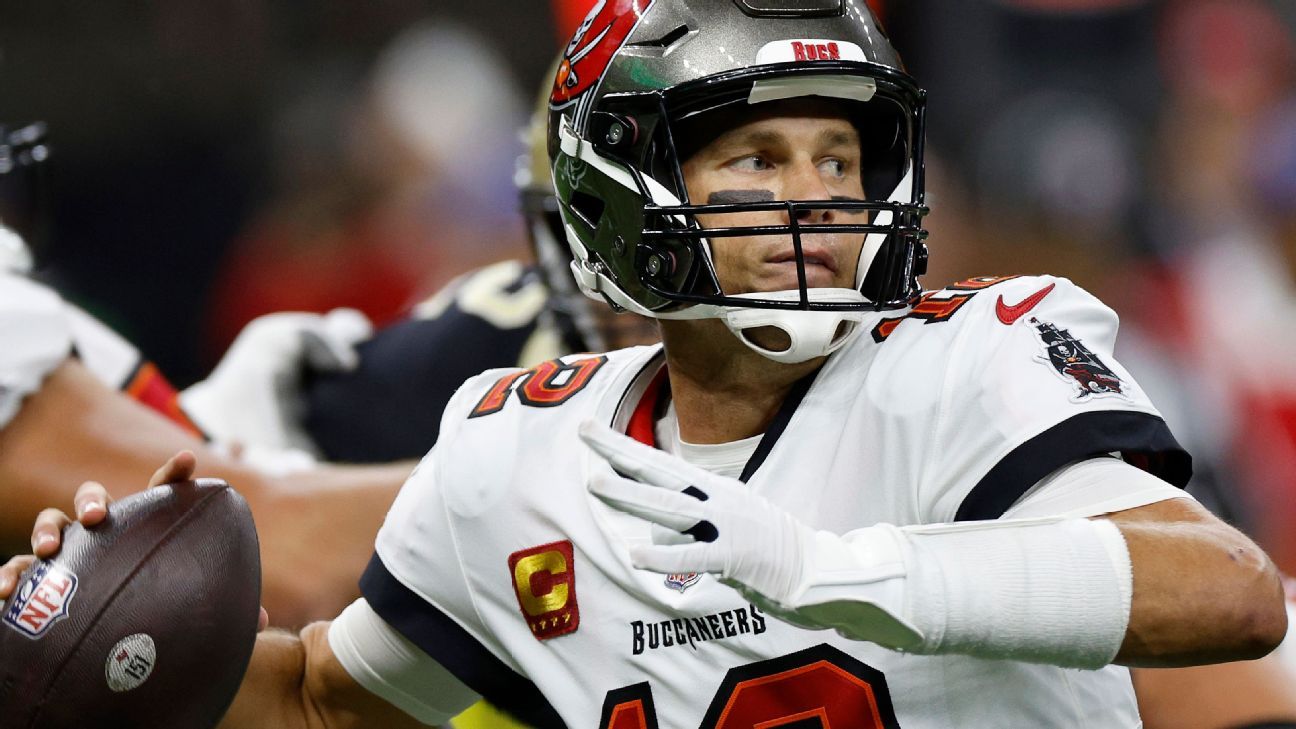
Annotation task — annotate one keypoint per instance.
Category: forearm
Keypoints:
(272, 693)
(296, 682)
(1203, 592)
(316, 527)
(1164, 584)
(73, 430)
(1238, 694)
(317, 534)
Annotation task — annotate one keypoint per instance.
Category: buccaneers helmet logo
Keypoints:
(597, 39)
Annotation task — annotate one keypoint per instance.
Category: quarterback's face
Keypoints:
(802, 149)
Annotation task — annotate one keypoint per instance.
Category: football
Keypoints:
(145, 620)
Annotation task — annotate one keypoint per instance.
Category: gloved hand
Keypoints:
(709, 523)
(253, 398)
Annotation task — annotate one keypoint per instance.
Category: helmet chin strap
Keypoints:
(810, 334)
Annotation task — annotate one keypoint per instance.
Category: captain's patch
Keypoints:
(544, 580)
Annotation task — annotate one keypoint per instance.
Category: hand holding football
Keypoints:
(145, 620)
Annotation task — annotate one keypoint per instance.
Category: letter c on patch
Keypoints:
(538, 590)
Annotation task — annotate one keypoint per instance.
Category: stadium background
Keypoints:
(218, 160)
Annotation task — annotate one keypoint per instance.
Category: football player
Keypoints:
(79, 401)
(518, 314)
(509, 314)
(864, 506)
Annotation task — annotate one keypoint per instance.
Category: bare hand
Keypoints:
(180, 467)
(91, 508)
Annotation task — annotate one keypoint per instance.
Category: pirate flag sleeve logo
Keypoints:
(1075, 363)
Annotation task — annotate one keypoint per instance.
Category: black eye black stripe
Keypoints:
(729, 197)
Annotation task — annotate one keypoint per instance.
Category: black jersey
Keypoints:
(389, 407)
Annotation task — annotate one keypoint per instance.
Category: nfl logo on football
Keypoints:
(41, 600)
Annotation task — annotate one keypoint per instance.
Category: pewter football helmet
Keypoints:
(638, 70)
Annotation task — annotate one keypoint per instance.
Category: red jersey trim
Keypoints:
(643, 420)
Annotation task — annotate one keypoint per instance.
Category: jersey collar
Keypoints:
(643, 419)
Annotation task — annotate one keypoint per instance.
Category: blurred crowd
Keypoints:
(216, 161)
(1146, 150)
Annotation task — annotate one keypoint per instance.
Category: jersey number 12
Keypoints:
(549, 384)
(814, 688)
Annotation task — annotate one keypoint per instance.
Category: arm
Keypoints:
(1164, 584)
(254, 395)
(1203, 592)
(1240, 694)
(292, 681)
(316, 527)
(296, 682)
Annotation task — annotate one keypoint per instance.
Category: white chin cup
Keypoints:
(810, 333)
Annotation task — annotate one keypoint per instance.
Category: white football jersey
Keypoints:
(35, 336)
(39, 330)
(497, 562)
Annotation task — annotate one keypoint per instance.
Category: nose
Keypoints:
(804, 182)
(814, 216)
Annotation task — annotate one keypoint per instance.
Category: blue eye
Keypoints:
(834, 167)
(751, 163)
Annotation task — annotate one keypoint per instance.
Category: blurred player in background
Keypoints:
(509, 314)
(271, 392)
(77, 401)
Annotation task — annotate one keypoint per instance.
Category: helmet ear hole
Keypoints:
(588, 208)
(884, 146)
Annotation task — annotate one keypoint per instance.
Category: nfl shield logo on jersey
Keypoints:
(682, 580)
(41, 600)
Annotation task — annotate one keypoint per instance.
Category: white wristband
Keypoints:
(1041, 590)
(391, 667)
(1051, 590)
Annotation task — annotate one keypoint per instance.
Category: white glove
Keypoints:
(253, 397)
(854, 584)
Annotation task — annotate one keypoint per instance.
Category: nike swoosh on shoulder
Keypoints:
(1009, 314)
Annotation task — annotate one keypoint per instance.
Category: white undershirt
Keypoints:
(724, 459)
